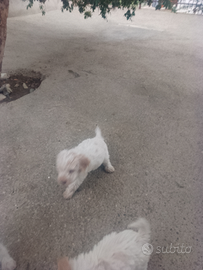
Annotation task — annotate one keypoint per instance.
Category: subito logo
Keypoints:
(147, 249)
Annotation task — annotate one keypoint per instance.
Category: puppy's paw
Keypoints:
(68, 194)
(8, 263)
(109, 169)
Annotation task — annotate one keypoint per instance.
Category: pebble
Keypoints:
(2, 97)
(25, 86)
(8, 88)
(16, 85)
(4, 76)
(32, 90)
(5, 89)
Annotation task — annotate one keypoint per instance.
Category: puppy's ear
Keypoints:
(84, 162)
(63, 264)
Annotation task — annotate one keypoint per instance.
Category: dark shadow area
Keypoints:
(20, 85)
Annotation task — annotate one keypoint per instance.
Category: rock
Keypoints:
(2, 97)
(5, 89)
(17, 84)
(32, 90)
(2, 88)
(8, 88)
(25, 86)
(4, 76)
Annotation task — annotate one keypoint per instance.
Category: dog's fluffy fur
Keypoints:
(73, 165)
(116, 251)
(6, 262)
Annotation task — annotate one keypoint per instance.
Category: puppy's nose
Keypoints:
(63, 182)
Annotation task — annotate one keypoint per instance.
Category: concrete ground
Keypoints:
(141, 81)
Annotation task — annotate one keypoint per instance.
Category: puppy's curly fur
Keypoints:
(6, 262)
(116, 251)
(73, 165)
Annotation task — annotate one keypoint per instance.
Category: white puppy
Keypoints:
(116, 251)
(73, 165)
(6, 262)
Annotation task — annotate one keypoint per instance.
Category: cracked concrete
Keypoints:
(141, 81)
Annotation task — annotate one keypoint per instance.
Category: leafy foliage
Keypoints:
(149, 2)
(105, 6)
(165, 3)
(89, 6)
(174, 10)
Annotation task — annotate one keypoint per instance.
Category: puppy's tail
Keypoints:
(98, 132)
(142, 226)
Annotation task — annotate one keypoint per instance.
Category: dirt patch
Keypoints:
(21, 85)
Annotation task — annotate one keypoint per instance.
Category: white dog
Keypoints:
(73, 165)
(6, 262)
(116, 251)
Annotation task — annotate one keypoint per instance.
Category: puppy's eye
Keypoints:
(71, 171)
